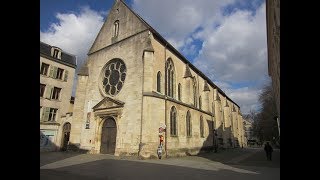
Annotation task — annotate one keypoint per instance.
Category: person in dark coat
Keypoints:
(268, 149)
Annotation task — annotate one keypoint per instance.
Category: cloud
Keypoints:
(176, 20)
(233, 38)
(75, 33)
(235, 52)
(237, 49)
(229, 46)
(246, 98)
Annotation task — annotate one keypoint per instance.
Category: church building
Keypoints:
(135, 87)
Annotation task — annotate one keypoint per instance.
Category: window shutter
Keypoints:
(46, 112)
(42, 110)
(48, 91)
(56, 116)
(51, 71)
(65, 75)
(55, 70)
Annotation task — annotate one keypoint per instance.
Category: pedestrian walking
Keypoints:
(268, 149)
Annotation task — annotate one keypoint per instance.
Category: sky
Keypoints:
(225, 39)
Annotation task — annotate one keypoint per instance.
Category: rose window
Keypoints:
(113, 76)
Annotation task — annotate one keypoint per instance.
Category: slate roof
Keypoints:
(177, 53)
(66, 58)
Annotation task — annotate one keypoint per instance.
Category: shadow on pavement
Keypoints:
(134, 170)
(50, 157)
(244, 157)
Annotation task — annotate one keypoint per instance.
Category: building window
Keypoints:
(52, 114)
(116, 28)
(173, 121)
(44, 69)
(195, 92)
(201, 127)
(88, 120)
(179, 92)
(213, 108)
(114, 74)
(59, 73)
(200, 102)
(170, 77)
(55, 53)
(56, 93)
(42, 89)
(49, 114)
(188, 124)
(159, 82)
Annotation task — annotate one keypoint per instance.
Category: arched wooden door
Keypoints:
(108, 136)
(65, 136)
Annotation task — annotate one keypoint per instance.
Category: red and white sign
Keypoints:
(162, 128)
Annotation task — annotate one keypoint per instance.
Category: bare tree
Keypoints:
(264, 125)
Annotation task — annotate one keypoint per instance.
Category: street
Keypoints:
(246, 163)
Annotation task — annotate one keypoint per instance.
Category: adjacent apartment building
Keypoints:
(57, 69)
(134, 84)
(273, 42)
(248, 134)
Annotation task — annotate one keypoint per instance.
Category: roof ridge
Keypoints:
(177, 52)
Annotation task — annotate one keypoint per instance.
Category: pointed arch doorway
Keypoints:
(108, 136)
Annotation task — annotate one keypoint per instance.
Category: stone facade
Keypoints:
(247, 131)
(57, 69)
(273, 40)
(135, 79)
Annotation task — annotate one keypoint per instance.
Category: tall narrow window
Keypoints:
(179, 92)
(44, 69)
(213, 109)
(59, 73)
(42, 88)
(116, 28)
(201, 127)
(55, 53)
(173, 121)
(49, 114)
(195, 92)
(159, 82)
(200, 102)
(52, 114)
(169, 77)
(56, 93)
(188, 124)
